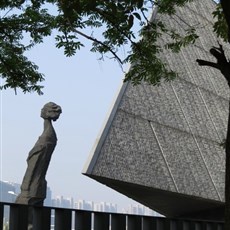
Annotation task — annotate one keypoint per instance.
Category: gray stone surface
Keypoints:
(33, 188)
(161, 145)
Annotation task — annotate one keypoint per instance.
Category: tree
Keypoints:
(24, 24)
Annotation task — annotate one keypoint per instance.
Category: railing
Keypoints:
(47, 218)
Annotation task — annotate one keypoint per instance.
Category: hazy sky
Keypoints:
(85, 89)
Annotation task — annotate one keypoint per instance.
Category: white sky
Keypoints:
(85, 89)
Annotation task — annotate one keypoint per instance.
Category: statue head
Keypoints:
(51, 111)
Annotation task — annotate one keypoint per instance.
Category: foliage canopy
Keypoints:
(25, 23)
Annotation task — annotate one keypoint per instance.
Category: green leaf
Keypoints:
(137, 15)
(130, 21)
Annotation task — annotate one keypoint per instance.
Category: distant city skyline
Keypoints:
(10, 190)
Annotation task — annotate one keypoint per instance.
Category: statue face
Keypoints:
(51, 111)
(53, 115)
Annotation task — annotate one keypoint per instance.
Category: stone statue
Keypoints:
(33, 188)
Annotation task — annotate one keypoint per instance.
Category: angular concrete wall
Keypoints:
(161, 145)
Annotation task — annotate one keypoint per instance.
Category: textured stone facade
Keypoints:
(161, 144)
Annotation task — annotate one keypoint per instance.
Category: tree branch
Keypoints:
(103, 14)
(99, 42)
(222, 63)
(207, 63)
(96, 41)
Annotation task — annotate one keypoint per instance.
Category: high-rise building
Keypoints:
(94, 206)
(62, 202)
(84, 205)
(48, 200)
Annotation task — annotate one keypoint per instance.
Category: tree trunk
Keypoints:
(226, 10)
(227, 178)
